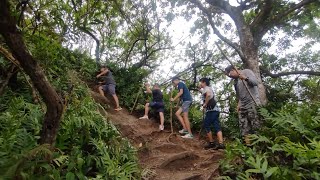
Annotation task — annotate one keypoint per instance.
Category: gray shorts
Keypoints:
(186, 105)
(110, 88)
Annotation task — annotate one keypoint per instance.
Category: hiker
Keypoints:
(185, 96)
(246, 108)
(211, 115)
(109, 85)
(157, 103)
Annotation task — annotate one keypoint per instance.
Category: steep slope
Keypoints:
(161, 157)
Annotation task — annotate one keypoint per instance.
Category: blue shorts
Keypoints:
(186, 105)
(158, 106)
(212, 118)
(110, 88)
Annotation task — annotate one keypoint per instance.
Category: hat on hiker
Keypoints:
(228, 69)
(175, 78)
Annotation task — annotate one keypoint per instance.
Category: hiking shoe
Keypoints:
(118, 109)
(161, 127)
(183, 131)
(219, 146)
(187, 136)
(211, 145)
(144, 117)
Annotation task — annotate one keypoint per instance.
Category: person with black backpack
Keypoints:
(211, 116)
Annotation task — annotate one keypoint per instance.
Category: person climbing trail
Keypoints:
(157, 103)
(185, 96)
(248, 100)
(109, 85)
(211, 115)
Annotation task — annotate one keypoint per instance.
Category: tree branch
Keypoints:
(225, 6)
(283, 15)
(130, 50)
(216, 31)
(263, 15)
(97, 51)
(277, 75)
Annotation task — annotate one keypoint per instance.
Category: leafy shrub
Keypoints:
(87, 146)
(288, 147)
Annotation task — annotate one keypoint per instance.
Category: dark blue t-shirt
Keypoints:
(186, 96)
(157, 95)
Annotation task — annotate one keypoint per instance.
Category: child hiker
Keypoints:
(212, 115)
(109, 85)
(157, 103)
(186, 98)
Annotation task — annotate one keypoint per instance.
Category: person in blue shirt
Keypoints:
(185, 96)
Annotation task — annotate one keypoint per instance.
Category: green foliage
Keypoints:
(288, 147)
(87, 145)
(129, 82)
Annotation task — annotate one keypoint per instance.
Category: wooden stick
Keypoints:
(135, 102)
(246, 86)
(171, 111)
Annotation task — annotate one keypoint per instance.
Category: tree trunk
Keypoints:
(14, 40)
(251, 61)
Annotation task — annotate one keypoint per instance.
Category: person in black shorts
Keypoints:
(156, 103)
(108, 85)
(212, 115)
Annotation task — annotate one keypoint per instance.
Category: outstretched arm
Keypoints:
(148, 90)
(178, 95)
(103, 73)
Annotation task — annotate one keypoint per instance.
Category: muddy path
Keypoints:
(161, 157)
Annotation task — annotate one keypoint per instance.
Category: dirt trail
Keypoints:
(176, 159)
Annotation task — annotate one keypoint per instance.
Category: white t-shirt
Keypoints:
(210, 90)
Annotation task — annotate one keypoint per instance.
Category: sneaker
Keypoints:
(211, 145)
(183, 131)
(219, 146)
(118, 109)
(187, 136)
(161, 127)
(144, 117)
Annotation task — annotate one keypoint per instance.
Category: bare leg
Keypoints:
(101, 90)
(115, 97)
(219, 136)
(178, 114)
(161, 118)
(247, 140)
(146, 109)
(187, 122)
(209, 134)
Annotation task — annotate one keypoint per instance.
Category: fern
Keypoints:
(287, 148)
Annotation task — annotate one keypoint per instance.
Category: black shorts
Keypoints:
(158, 106)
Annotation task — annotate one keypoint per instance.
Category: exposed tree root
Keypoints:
(176, 157)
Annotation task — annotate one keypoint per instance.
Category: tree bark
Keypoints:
(14, 40)
(247, 44)
(251, 60)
